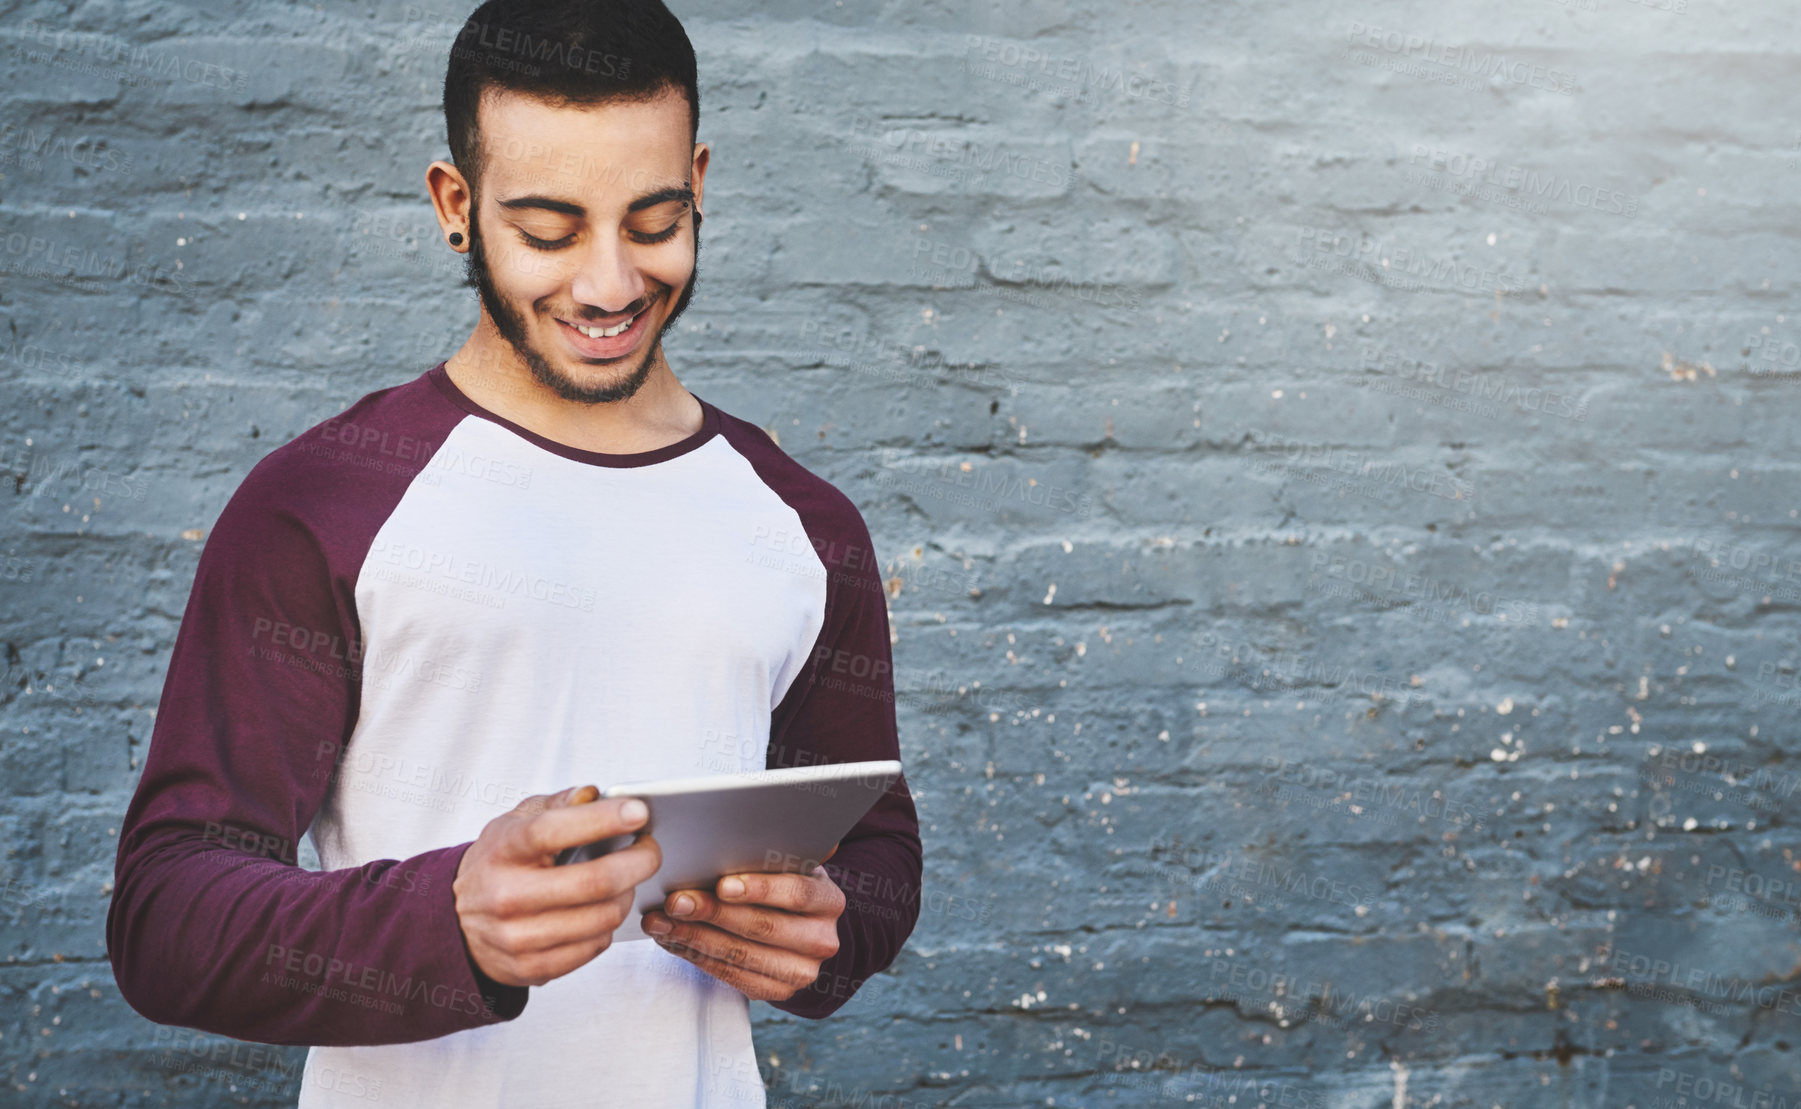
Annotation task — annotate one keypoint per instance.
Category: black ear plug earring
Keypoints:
(456, 238)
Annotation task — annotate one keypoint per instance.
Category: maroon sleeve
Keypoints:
(213, 924)
(841, 709)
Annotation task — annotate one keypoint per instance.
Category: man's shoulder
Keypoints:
(391, 432)
(832, 520)
(354, 464)
(809, 494)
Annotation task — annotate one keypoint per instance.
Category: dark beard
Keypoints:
(511, 325)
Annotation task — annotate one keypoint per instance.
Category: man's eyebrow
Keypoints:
(661, 196)
(564, 207)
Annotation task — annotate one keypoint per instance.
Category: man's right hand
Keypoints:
(527, 920)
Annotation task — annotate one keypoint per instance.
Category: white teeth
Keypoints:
(604, 332)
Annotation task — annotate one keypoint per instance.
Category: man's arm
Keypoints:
(213, 924)
(843, 711)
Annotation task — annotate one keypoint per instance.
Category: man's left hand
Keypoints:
(764, 934)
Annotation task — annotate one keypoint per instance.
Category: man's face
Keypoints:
(588, 225)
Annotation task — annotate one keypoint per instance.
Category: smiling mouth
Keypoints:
(598, 332)
(604, 332)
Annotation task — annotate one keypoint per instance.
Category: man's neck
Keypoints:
(657, 415)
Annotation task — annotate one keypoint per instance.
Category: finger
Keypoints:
(754, 986)
(815, 937)
(542, 802)
(597, 880)
(797, 893)
(692, 905)
(524, 891)
(540, 965)
(553, 928)
(742, 959)
(538, 804)
(573, 824)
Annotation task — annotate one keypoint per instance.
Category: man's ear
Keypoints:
(699, 176)
(450, 197)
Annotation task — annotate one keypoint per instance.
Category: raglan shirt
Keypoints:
(414, 616)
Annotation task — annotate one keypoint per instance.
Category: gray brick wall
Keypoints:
(1336, 466)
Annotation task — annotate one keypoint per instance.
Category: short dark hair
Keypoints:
(569, 52)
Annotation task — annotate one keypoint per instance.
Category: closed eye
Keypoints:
(662, 236)
(646, 237)
(545, 244)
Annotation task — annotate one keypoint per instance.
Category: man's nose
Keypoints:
(607, 278)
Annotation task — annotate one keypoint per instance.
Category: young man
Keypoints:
(541, 562)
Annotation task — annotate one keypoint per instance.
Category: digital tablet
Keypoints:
(767, 821)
